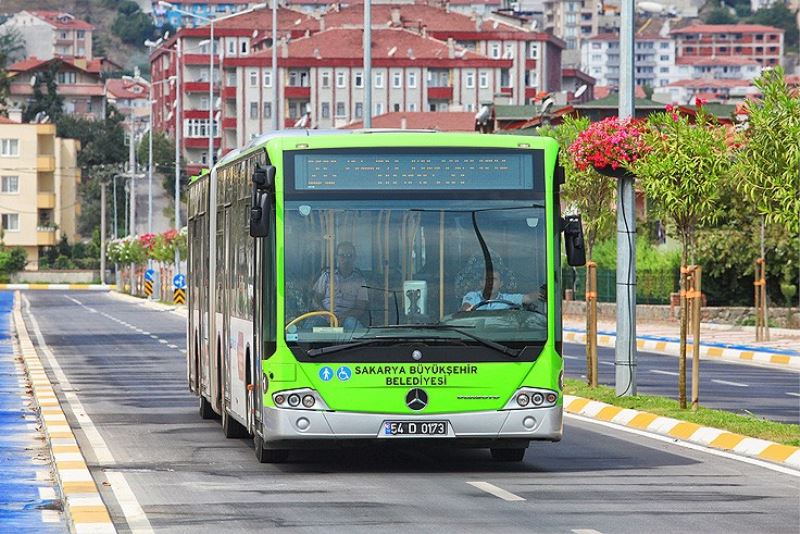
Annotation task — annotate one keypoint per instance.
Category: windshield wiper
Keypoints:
(460, 330)
(313, 353)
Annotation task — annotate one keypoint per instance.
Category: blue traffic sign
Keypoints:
(179, 281)
(326, 373)
(344, 373)
(150, 275)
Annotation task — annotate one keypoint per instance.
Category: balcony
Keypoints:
(229, 93)
(45, 163)
(45, 236)
(195, 87)
(45, 200)
(440, 93)
(298, 92)
(229, 123)
(200, 142)
(507, 91)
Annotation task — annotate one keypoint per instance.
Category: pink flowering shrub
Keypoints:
(609, 143)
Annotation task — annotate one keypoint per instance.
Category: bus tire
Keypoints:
(508, 455)
(268, 456)
(231, 427)
(206, 411)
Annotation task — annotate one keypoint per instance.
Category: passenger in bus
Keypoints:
(473, 298)
(350, 295)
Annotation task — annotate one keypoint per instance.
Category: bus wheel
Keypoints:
(268, 456)
(206, 411)
(508, 455)
(231, 427)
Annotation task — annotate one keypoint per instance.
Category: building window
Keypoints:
(298, 78)
(358, 79)
(533, 50)
(379, 108)
(596, 46)
(326, 78)
(341, 82)
(267, 110)
(664, 58)
(9, 147)
(412, 79)
(509, 51)
(10, 184)
(412, 106)
(253, 110)
(505, 78)
(359, 111)
(253, 78)
(469, 80)
(204, 103)
(340, 109)
(231, 47)
(663, 69)
(81, 34)
(379, 80)
(11, 222)
(244, 47)
(326, 110)
(664, 44)
(63, 35)
(494, 50)
(66, 77)
(397, 79)
(483, 79)
(268, 78)
(470, 107)
(396, 107)
(597, 57)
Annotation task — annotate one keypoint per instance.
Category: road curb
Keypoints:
(777, 361)
(178, 309)
(705, 436)
(61, 287)
(84, 509)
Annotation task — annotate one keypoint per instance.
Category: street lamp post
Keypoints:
(274, 65)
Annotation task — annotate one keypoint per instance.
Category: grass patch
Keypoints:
(747, 425)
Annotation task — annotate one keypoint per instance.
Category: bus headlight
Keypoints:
(526, 398)
(299, 399)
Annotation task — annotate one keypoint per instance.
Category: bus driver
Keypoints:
(473, 298)
(350, 295)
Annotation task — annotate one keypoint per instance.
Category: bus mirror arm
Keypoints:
(263, 185)
(573, 240)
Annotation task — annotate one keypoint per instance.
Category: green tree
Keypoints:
(719, 15)
(11, 43)
(780, 16)
(131, 25)
(163, 152)
(49, 102)
(767, 168)
(683, 171)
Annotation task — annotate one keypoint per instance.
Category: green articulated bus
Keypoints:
(380, 286)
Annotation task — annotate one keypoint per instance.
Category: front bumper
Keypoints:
(287, 425)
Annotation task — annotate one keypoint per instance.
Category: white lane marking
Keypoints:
(172, 346)
(153, 336)
(146, 333)
(134, 515)
(570, 357)
(97, 444)
(164, 341)
(607, 363)
(47, 493)
(726, 383)
(494, 490)
(687, 445)
(793, 394)
(660, 372)
(585, 531)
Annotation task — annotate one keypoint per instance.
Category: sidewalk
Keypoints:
(721, 342)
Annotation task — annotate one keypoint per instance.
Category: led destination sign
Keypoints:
(439, 170)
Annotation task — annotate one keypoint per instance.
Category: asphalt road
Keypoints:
(166, 469)
(770, 393)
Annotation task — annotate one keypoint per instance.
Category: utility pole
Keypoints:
(103, 186)
(114, 233)
(625, 353)
(275, 65)
(178, 128)
(367, 64)
(150, 163)
(131, 176)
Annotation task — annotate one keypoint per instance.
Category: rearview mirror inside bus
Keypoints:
(573, 240)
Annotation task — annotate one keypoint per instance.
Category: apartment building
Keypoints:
(208, 9)
(50, 34)
(39, 176)
(763, 44)
(576, 21)
(725, 91)
(654, 59)
(128, 96)
(467, 7)
(321, 81)
(79, 81)
(531, 67)
(715, 68)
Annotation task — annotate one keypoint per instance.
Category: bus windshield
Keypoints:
(357, 270)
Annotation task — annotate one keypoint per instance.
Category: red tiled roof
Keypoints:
(713, 61)
(260, 19)
(577, 73)
(347, 43)
(727, 28)
(711, 84)
(6, 120)
(602, 91)
(124, 89)
(445, 121)
(61, 20)
(414, 15)
(605, 37)
(94, 66)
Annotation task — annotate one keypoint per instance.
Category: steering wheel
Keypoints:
(334, 321)
(511, 305)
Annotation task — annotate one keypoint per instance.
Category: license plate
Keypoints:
(415, 428)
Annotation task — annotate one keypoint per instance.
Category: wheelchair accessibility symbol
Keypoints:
(344, 373)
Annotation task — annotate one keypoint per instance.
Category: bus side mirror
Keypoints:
(263, 186)
(573, 240)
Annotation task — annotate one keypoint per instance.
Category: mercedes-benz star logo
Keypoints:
(416, 399)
